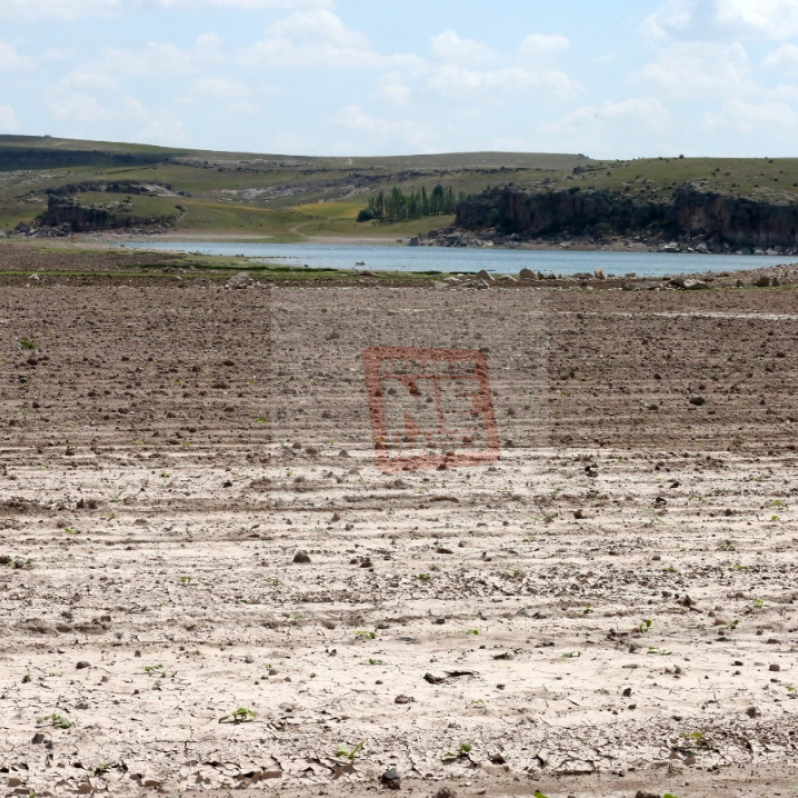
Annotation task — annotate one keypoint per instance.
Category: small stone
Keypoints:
(753, 712)
(302, 558)
(391, 779)
(775, 668)
(38, 738)
(83, 664)
(403, 699)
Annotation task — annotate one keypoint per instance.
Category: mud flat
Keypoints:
(608, 608)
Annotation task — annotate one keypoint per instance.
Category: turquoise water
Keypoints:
(501, 261)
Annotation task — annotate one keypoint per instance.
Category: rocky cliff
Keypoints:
(710, 217)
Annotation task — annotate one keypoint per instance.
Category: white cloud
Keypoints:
(244, 108)
(11, 59)
(80, 107)
(543, 45)
(220, 87)
(314, 39)
(8, 120)
(407, 130)
(777, 19)
(57, 9)
(56, 54)
(164, 128)
(393, 90)
(783, 57)
(619, 127)
(784, 92)
(89, 79)
(707, 19)
(692, 70)
(773, 118)
(256, 5)
(448, 46)
(461, 83)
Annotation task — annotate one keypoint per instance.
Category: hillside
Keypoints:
(106, 185)
(285, 197)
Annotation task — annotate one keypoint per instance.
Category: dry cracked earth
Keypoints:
(608, 610)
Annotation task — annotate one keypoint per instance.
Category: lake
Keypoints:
(454, 260)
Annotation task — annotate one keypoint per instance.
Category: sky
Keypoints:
(609, 79)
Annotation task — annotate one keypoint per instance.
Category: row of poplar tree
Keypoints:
(396, 206)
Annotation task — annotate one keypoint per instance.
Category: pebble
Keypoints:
(302, 558)
(83, 664)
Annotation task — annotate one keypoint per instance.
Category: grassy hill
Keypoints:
(291, 197)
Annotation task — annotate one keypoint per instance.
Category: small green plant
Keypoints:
(669, 570)
(587, 610)
(463, 751)
(57, 720)
(472, 631)
(71, 530)
(571, 654)
(240, 715)
(699, 738)
(661, 651)
(184, 580)
(645, 625)
(758, 604)
(102, 768)
(27, 343)
(365, 634)
(424, 577)
(539, 794)
(343, 751)
(150, 669)
(376, 662)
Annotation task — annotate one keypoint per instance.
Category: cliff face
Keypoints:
(81, 219)
(714, 217)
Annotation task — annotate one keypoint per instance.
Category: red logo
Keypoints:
(430, 408)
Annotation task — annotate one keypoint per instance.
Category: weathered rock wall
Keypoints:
(714, 217)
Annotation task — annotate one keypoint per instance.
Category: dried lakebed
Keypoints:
(167, 451)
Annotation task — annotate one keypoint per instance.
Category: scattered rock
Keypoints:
(240, 280)
(82, 665)
(302, 558)
(391, 779)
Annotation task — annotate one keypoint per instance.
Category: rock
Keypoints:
(599, 274)
(482, 284)
(763, 282)
(403, 699)
(82, 665)
(527, 274)
(240, 280)
(415, 241)
(739, 283)
(772, 251)
(673, 246)
(753, 712)
(483, 275)
(302, 558)
(775, 668)
(441, 285)
(698, 401)
(391, 779)
(448, 792)
(38, 738)
(703, 248)
(694, 285)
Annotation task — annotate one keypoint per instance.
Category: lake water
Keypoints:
(451, 260)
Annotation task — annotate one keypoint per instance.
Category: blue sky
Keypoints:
(610, 79)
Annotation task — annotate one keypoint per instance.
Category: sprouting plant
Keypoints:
(472, 631)
(729, 626)
(539, 794)
(71, 530)
(365, 634)
(774, 518)
(699, 738)
(463, 751)
(376, 662)
(424, 577)
(587, 610)
(27, 343)
(240, 715)
(57, 720)
(101, 768)
(780, 504)
(758, 604)
(726, 545)
(184, 580)
(645, 625)
(350, 755)
(150, 669)
(661, 651)
(571, 654)
(669, 570)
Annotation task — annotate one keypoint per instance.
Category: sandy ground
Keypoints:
(609, 608)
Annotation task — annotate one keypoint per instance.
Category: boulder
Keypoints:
(240, 280)
(527, 274)
(694, 285)
(763, 282)
(599, 274)
(415, 241)
(673, 246)
(483, 275)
